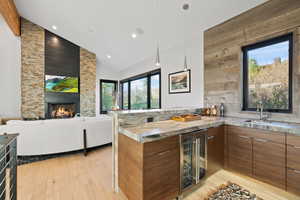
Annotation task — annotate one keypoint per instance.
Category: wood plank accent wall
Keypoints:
(223, 54)
(11, 16)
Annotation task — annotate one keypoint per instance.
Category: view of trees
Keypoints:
(155, 93)
(139, 93)
(269, 84)
(268, 74)
(107, 96)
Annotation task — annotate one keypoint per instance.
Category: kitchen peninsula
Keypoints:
(150, 155)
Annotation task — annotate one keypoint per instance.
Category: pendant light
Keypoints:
(185, 64)
(185, 7)
(157, 61)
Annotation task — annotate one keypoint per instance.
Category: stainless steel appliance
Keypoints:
(193, 158)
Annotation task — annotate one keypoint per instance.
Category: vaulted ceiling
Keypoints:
(105, 26)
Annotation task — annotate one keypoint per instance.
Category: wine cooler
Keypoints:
(193, 158)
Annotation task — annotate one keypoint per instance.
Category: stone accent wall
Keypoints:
(223, 54)
(87, 83)
(33, 66)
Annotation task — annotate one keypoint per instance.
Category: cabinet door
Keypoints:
(239, 150)
(293, 181)
(269, 162)
(162, 173)
(215, 149)
(293, 164)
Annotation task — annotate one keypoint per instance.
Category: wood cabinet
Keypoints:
(293, 164)
(293, 181)
(239, 150)
(150, 170)
(269, 161)
(257, 153)
(215, 149)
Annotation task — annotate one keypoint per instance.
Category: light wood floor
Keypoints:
(77, 177)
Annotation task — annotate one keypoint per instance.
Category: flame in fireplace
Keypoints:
(62, 112)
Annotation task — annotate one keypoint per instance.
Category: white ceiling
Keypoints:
(105, 26)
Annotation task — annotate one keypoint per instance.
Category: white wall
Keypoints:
(104, 71)
(172, 61)
(10, 72)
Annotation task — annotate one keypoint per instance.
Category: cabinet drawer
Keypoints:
(293, 181)
(293, 157)
(293, 140)
(276, 137)
(162, 175)
(235, 130)
(156, 147)
(270, 136)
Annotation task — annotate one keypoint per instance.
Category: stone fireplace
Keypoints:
(58, 110)
(44, 53)
(61, 105)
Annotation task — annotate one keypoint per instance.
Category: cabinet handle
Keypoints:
(163, 153)
(261, 140)
(296, 147)
(297, 171)
(210, 137)
(245, 137)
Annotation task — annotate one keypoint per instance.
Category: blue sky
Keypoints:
(266, 55)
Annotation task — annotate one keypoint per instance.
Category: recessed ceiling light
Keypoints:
(186, 6)
(54, 27)
(140, 31)
(108, 56)
(133, 35)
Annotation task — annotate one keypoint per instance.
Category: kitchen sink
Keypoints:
(268, 123)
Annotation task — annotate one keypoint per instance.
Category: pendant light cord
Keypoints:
(156, 33)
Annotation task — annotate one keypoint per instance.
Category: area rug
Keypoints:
(232, 191)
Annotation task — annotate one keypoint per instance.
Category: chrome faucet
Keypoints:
(260, 109)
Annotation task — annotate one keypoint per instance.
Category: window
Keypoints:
(142, 91)
(125, 95)
(155, 91)
(138, 94)
(267, 75)
(107, 95)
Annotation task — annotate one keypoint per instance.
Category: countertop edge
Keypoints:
(146, 136)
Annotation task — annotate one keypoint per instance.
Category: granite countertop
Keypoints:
(157, 130)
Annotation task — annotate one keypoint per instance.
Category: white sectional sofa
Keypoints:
(43, 137)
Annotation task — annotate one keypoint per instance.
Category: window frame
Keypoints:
(147, 75)
(287, 37)
(101, 102)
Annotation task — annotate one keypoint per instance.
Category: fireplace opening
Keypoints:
(59, 111)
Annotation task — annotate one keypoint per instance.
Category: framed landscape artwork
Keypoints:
(180, 82)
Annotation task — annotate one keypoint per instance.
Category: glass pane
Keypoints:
(138, 94)
(125, 96)
(155, 91)
(187, 179)
(268, 76)
(107, 96)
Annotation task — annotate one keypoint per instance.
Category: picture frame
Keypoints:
(180, 82)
